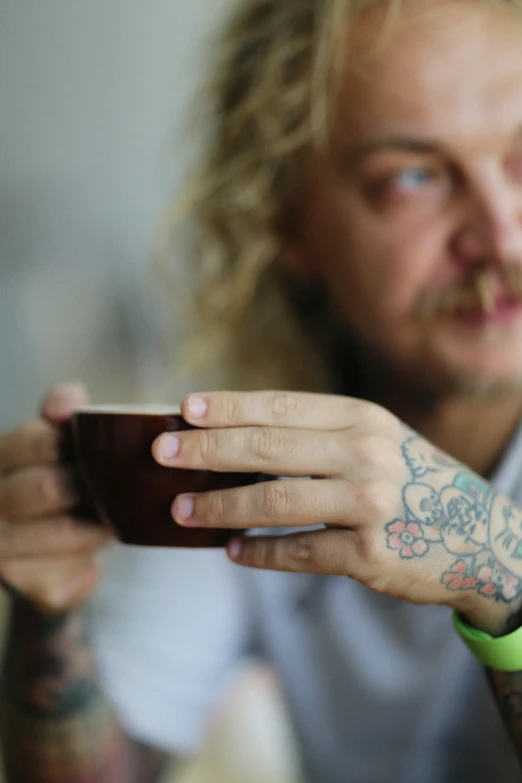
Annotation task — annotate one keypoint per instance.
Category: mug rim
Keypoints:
(136, 409)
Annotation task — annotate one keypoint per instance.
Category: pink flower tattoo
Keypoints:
(459, 577)
(497, 583)
(408, 538)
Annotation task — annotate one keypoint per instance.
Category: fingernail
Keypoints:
(60, 409)
(184, 507)
(65, 400)
(169, 446)
(197, 407)
(235, 548)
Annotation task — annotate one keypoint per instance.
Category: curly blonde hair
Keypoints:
(273, 98)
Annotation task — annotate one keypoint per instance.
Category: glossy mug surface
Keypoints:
(129, 491)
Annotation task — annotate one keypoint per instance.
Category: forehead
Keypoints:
(443, 68)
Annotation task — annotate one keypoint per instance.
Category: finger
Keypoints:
(51, 537)
(282, 409)
(34, 443)
(330, 552)
(272, 450)
(51, 584)
(63, 401)
(280, 452)
(37, 492)
(276, 503)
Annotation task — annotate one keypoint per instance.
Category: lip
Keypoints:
(504, 313)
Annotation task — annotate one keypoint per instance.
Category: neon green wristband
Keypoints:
(503, 653)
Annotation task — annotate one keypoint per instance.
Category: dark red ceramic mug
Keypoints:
(130, 492)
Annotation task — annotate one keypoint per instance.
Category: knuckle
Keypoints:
(291, 553)
(268, 553)
(379, 498)
(376, 416)
(264, 553)
(266, 442)
(349, 406)
(207, 444)
(370, 451)
(275, 499)
(48, 489)
(371, 550)
(216, 507)
(230, 408)
(300, 554)
(361, 448)
(284, 405)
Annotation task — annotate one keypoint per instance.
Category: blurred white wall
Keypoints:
(93, 99)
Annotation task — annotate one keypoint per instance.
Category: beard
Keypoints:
(475, 386)
(362, 369)
(366, 370)
(479, 294)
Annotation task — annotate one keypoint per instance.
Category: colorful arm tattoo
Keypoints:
(57, 726)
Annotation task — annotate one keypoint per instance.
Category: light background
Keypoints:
(93, 144)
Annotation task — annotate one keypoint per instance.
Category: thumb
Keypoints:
(63, 400)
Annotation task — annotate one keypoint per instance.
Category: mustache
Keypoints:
(480, 292)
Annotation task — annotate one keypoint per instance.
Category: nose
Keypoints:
(490, 230)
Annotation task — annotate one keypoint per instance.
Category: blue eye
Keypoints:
(409, 185)
(413, 179)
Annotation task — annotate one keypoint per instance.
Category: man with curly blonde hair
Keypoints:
(359, 218)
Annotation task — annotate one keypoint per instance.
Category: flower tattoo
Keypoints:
(408, 538)
(496, 582)
(459, 512)
(460, 577)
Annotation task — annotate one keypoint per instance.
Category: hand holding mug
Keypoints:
(46, 551)
(394, 512)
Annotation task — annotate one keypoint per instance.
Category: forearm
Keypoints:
(57, 726)
(507, 689)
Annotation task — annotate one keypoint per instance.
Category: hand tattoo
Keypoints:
(461, 513)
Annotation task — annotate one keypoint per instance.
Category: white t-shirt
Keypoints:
(380, 691)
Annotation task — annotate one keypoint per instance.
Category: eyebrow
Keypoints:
(355, 154)
(414, 145)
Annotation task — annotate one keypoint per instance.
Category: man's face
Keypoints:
(413, 221)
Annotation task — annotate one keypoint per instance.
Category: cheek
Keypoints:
(374, 266)
(379, 275)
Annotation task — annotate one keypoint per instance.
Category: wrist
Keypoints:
(495, 618)
(29, 618)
